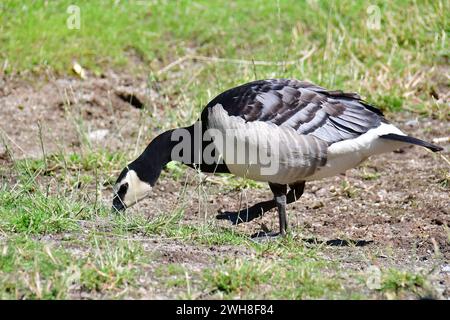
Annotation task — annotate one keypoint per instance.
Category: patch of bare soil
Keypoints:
(398, 203)
(103, 110)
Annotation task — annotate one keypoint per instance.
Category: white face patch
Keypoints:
(137, 189)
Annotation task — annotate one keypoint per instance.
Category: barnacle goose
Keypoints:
(297, 130)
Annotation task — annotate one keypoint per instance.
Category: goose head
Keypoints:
(130, 188)
(136, 180)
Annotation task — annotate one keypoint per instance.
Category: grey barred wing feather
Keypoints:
(331, 116)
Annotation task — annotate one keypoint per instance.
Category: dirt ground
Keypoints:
(397, 205)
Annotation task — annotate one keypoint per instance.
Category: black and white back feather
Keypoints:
(309, 109)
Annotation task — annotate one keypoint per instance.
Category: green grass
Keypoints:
(395, 282)
(293, 278)
(172, 225)
(289, 270)
(87, 160)
(399, 65)
(36, 213)
(46, 196)
(111, 265)
(30, 269)
(278, 270)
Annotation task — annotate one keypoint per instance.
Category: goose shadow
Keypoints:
(338, 242)
(260, 236)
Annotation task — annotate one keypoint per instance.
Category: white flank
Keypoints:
(347, 154)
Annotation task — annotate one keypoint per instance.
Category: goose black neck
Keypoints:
(149, 164)
(159, 152)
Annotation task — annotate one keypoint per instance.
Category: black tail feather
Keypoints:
(412, 140)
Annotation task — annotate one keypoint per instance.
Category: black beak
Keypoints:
(118, 205)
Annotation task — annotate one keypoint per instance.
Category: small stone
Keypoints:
(98, 135)
(317, 205)
(412, 123)
(79, 70)
(446, 268)
(382, 195)
(323, 192)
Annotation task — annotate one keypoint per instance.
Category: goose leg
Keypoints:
(281, 205)
(280, 199)
(279, 191)
(257, 210)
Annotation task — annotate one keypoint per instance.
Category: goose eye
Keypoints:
(122, 190)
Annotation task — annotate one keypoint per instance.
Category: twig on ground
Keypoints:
(179, 61)
(441, 140)
(10, 139)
